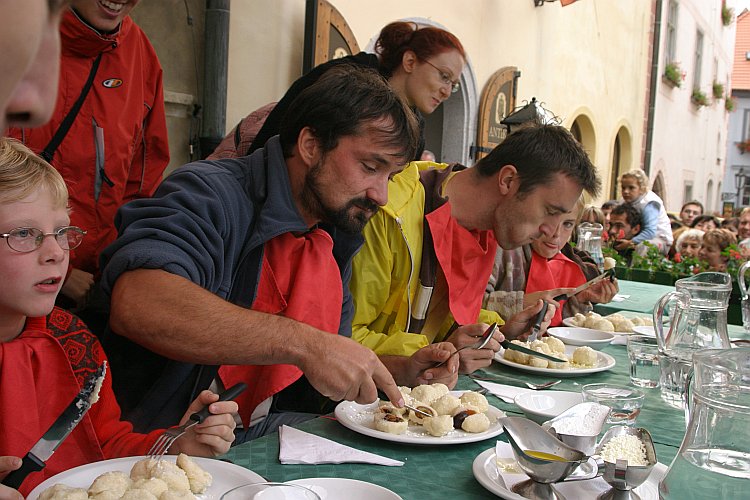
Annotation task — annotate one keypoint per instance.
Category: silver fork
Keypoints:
(530, 385)
(162, 444)
(483, 340)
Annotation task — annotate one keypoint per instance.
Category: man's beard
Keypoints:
(350, 218)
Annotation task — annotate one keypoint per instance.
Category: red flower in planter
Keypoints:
(677, 258)
(605, 236)
(621, 234)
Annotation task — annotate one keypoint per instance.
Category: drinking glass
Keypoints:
(643, 353)
(270, 491)
(624, 402)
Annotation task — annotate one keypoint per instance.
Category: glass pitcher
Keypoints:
(698, 320)
(714, 458)
(590, 240)
(745, 303)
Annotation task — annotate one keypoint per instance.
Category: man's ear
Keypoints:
(507, 180)
(308, 146)
(409, 61)
(636, 229)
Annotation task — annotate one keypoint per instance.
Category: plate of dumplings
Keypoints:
(458, 417)
(617, 323)
(174, 477)
(579, 360)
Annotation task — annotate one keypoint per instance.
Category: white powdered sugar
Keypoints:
(625, 447)
(584, 419)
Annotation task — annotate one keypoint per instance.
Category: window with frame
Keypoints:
(672, 30)
(687, 194)
(745, 125)
(698, 62)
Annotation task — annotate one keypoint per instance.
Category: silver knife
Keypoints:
(515, 347)
(609, 273)
(44, 448)
(537, 326)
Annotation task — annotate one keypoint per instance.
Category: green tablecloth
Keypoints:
(440, 472)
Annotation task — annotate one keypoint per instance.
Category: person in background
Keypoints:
(607, 207)
(655, 225)
(115, 149)
(427, 155)
(689, 243)
(545, 268)
(714, 243)
(624, 226)
(706, 223)
(421, 275)
(744, 224)
(422, 65)
(731, 224)
(592, 214)
(690, 211)
(237, 270)
(47, 353)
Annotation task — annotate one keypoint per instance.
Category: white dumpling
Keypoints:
(440, 390)
(476, 400)
(168, 472)
(603, 325)
(559, 366)
(538, 362)
(519, 357)
(417, 418)
(64, 492)
(390, 423)
(438, 426)
(138, 494)
(142, 469)
(584, 356)
(424, 393)
(152, 484)
(609, 263)
(198, 478)
(556, 345)
(591, 319)
(446, 404)
(578, 320)
(477, 422)
(110, 486)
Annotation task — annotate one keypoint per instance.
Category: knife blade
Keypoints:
(515, 347)
(62, 427)
(383, 397)
(593, 281)
(537, 326)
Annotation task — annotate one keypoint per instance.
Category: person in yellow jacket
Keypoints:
(428, 253)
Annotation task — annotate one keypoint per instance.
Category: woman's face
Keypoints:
(630, 189)
(711, 254)
(549, 246)
(706, 225)
(690, 247)
(430, 82)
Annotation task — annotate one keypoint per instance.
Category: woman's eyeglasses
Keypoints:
(28, 239)
(446, 79)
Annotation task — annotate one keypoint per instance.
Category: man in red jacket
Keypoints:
(116, 149)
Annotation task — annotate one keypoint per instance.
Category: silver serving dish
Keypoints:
(621, 476)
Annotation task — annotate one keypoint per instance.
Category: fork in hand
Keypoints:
(483, 340)
(162, 444)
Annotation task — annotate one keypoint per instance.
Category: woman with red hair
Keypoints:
(422, 64)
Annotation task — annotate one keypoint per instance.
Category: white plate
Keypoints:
(226, 476)
(358, 418)
(485, 471)
(542, 406)
(335, 488)
(645, 330)
(604, 362)
(595, 339)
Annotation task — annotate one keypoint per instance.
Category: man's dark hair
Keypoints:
(632, 214)
(609, 205)
(341, 103)
(539, 152)
(694, 202)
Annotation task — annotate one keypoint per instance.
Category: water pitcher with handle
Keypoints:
(590, 240)
(698, 320)
(745, 303)
(714, 458)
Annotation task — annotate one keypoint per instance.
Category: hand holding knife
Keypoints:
(609, 273)
(59, 430)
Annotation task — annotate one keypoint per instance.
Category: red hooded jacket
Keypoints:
(116, 150)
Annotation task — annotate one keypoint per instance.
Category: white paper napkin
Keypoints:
(505, 392)
(299, 447)
(619, 340)
(619, 297)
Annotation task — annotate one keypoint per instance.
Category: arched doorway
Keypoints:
(451, 129)
(622, 159)
(659, 188)
(709, 197)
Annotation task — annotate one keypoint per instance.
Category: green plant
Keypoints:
(652, 260)
(729, 103)
(718, 90)
(727, 14)
(688, 265)
(699, 98)
(673, 74)
(735, 259)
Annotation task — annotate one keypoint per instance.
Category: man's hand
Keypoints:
(78, 287)
(422, 363)
(519, 326)
(600, 293)
(621, 245)
(8, 464)
(341, 369)
(215, 434)
(474, 359)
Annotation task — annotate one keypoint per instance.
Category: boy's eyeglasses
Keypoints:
(28, 239)
(446, 79)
